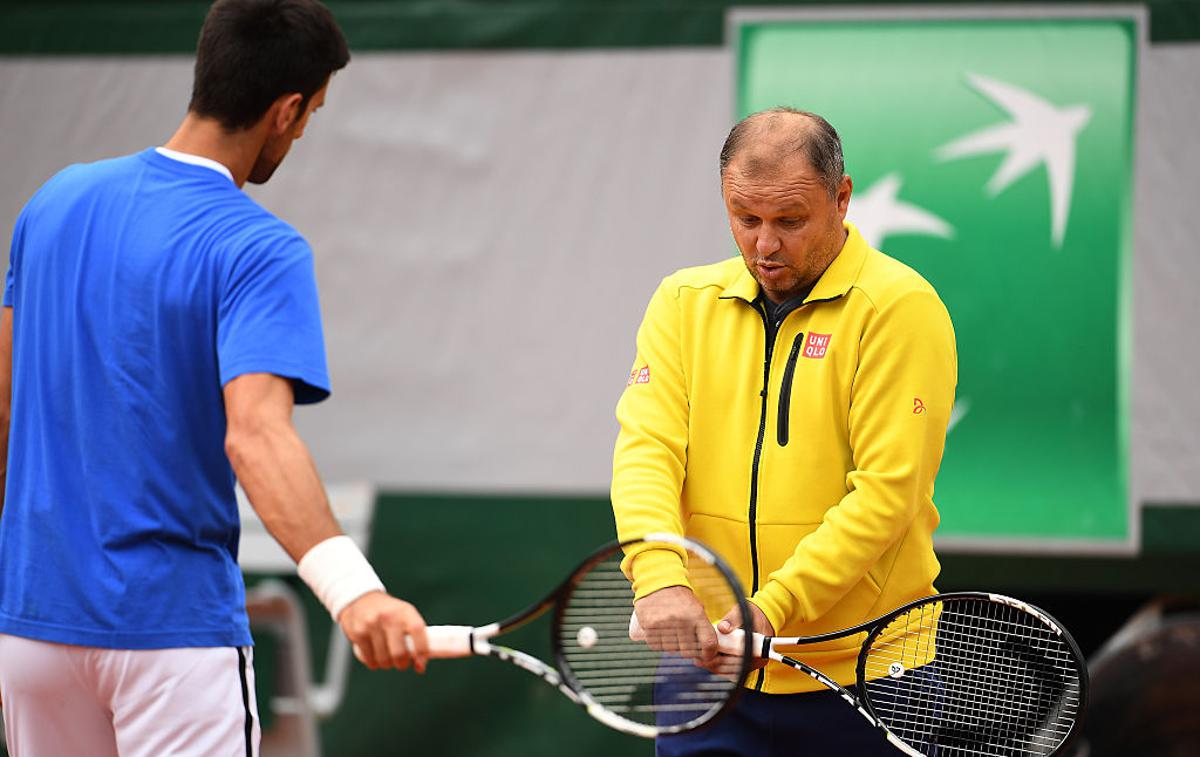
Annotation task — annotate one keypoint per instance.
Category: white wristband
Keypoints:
(338, 573)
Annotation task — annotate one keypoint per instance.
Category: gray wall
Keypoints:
(489, 226)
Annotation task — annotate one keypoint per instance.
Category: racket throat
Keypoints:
(479, 639)
(530, 664)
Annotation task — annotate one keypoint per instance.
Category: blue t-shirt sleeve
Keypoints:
(269, 317)
(14, 254)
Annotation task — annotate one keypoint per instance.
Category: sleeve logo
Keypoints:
(816, 345)
(639, 376)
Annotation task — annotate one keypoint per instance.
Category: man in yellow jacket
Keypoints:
(788, 408)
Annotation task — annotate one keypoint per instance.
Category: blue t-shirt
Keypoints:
(139, 287)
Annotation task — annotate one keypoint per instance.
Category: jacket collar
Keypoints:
(837, 280)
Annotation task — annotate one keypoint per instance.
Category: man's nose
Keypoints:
(768, 241)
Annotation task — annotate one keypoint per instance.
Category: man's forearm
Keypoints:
(645, 499)
(278, 474)
(274, 467)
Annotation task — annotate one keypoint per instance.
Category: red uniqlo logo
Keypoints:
(643, 376)
(816, 345)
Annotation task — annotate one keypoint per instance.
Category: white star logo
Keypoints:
(1038, 133)
(961, 407)
(878, 214)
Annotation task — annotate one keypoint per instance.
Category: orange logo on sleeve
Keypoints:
(639, 376)
(918, 406)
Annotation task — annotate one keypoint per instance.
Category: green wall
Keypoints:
(169, 26)
(472, 559)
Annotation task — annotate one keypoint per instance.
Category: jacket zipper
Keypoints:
(762, 431)
(785, 391)
(758, 447)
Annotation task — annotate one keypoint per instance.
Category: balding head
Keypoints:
(762, 141)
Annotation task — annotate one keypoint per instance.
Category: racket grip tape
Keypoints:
(445, 642)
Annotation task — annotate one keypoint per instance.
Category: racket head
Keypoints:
(974, 673)
(625, 683)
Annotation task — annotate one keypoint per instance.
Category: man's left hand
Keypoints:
(733, 621)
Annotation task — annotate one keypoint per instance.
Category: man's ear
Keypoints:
(845, 189)
(284, 112)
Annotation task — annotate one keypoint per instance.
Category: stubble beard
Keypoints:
(801, 282)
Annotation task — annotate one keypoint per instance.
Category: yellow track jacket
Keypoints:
(808, 464)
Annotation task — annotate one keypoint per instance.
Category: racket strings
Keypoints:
(630, 678)
(973, 676)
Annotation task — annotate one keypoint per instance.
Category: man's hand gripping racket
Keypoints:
(633, 686)
(952, 675)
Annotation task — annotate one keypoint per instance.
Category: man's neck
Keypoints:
(206, 138)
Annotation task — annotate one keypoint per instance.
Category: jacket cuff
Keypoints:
(656, 569)
(777, 603)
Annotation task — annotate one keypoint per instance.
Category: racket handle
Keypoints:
(449, 641)
(445, 642)
(733, 643)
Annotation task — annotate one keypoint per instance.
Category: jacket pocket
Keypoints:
(727, 537)
(785, 391)
(779, 542)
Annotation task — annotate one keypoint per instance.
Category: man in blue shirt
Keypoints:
(158, 327)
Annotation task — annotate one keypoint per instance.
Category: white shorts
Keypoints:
(65, 700)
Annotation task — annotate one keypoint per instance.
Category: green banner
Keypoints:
(995, 157)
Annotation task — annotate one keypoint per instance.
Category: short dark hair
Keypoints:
(252, 52)
(821, 144)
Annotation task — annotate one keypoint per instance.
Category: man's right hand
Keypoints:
(674, 621)
(386, 632)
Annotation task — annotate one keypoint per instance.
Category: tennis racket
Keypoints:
(622, 683)
(957, 674)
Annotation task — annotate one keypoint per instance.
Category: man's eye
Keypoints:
(790, 222)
